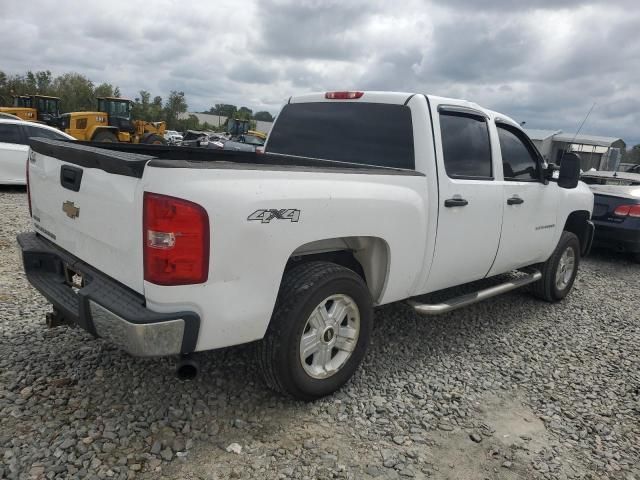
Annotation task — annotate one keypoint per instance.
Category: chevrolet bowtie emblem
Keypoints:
(71, 210)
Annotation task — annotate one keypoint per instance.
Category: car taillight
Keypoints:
(343, 95)
(176, 241)
(259, 150)
(627, 211)
(28, 191)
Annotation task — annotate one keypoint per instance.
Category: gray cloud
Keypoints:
(541, 61)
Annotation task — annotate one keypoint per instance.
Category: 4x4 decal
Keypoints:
(265, 216)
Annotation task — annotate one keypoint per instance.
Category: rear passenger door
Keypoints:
(530, 206)
(13, 154)
(470, 200)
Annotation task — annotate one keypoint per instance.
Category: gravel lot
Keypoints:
(511, 388)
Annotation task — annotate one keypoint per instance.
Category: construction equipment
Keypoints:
(35, 108)
(237, 127)
(112, 123)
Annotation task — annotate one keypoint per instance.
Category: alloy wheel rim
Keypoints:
(566, 267)
(330, 336)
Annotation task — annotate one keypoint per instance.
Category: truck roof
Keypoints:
(396, 98)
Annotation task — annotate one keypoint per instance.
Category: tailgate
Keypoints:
(87, 200)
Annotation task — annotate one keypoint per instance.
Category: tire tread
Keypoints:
(298, 281)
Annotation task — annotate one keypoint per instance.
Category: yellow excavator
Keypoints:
(35, 108)
(112, 122)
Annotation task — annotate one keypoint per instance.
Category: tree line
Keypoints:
(78, 93)
(243, 113)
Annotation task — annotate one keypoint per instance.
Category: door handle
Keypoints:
(70, 177)
(455, 202)
(514, 201)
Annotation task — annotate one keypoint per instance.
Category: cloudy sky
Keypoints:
(541, 61)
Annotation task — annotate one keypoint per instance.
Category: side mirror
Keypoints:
(569, 171)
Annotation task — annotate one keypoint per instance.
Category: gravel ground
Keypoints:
(511, 388)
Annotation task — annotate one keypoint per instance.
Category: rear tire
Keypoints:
(105, 137)
(154, 139)
(559, 272)
(319, 331)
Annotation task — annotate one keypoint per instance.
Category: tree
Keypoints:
(244, 113)
(174, 106)
(223, 109)
(75, 92)
(104, 90)
(263, 116)
(633, 155)
(44, 83)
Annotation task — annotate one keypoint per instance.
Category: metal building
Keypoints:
(601, 153)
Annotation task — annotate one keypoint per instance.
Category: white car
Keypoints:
(360, 199)
(14, 147)
(172, 137)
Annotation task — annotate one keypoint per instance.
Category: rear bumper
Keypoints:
(103, 306)
(617, 238)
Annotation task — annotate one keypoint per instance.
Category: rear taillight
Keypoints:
(259, 150)
(176, 241)
(343, 95)
(627, 211)
(28, 191)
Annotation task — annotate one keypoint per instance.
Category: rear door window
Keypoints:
(466, 146)
(365, 133)
(10, 133)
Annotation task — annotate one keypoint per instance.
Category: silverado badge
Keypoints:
(70, 209)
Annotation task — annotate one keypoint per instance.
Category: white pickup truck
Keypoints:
(360, 199)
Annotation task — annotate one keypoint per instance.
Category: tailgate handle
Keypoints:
(70, 177)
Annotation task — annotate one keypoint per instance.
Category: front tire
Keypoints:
(154, 139)
(559, 272)
(319, 331)
(105, 137)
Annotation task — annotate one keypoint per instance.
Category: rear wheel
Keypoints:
(559, 272)
(319, 331)
(105, 137)
(154, 139)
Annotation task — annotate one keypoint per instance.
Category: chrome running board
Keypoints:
(471, 298)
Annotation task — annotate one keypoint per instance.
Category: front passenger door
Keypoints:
(530, 206)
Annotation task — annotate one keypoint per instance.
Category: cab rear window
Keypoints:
(365, 133)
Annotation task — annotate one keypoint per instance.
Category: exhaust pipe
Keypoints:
(187, 368)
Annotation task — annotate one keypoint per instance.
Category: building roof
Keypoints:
(586, 139)
(535, 134)
(560, 136)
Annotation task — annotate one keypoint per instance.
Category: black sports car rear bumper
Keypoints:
(616, 238)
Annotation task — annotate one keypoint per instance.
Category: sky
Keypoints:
(545, 62)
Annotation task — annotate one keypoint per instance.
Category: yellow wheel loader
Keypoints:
(112, 123)
(35, 108)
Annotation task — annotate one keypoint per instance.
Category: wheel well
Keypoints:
(577, 224)
(367, 256)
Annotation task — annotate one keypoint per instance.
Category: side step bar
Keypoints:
(470, 298)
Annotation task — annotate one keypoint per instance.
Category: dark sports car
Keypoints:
(616, 210)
